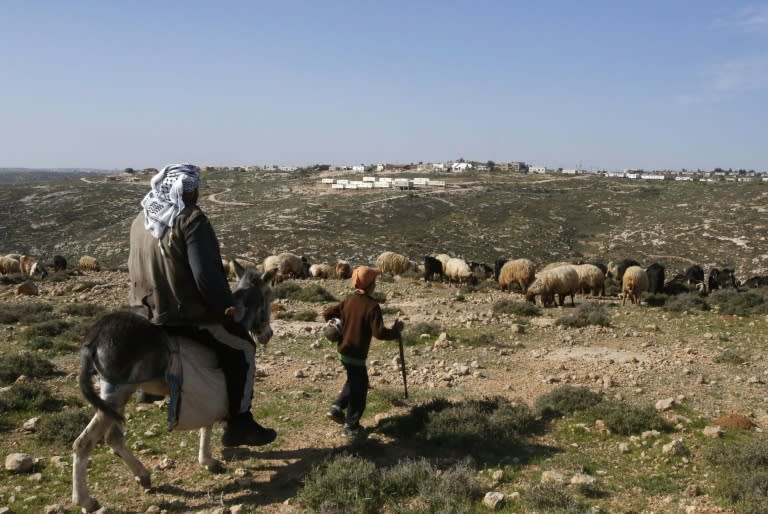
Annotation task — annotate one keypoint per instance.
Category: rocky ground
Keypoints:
(647, 355)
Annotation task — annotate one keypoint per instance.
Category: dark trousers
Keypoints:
(353, 394)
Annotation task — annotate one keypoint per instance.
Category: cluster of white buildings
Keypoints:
(383, 183)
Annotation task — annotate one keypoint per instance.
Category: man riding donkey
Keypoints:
(177, 280)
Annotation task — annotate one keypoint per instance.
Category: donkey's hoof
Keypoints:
(215, 466)
(144, 481)
(88, 504)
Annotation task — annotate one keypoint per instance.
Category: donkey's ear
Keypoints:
(269, 275)
(239, 270)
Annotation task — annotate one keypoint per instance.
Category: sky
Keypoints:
(600, 85)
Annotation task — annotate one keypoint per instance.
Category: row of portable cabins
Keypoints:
(383, 182)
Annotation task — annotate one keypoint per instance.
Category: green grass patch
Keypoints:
(688, 302)
(550, 497)
(625, 419)
(22, 312)
(86, 310)
(730, 356)
(62, 428)
(564, 400)
(33, 397)
(347, 483)
(313, 293)
(516, 308)
(489, 426)
(743, 472)
(30, 365)
(735, 303)
(586, 314)
(419, 332)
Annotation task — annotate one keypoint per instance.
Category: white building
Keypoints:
(461, 166)
(359, 168)
(541, 170)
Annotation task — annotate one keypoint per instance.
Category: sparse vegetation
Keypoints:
(730, 356)
(625, 419)
(687, 302)
(416, 449)
(23, 312)
(517, 308)
(15, 365)
(742, 476)
(564, 400)
(32, 397)
(62, 428)
(549, 497)
(586, 314)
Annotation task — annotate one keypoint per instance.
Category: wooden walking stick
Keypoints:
(402, 365)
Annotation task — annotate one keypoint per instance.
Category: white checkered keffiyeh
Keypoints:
(164, 201)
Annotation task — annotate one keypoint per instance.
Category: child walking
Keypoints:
(361, 320)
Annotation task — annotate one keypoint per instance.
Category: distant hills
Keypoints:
(8, 175)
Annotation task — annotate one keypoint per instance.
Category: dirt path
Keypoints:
(213, 198)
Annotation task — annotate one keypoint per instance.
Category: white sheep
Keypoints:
(443, 258)
(591, 279)
(271, 262)
(517, 271)
(292, 265)
(321, 271)
(89, 263)
(9, 265)
(633, 284)
(391, 262)
(343, 270)
(32, 267)
(458, 270)
(287, 264)
(553, 265)
(562, 281)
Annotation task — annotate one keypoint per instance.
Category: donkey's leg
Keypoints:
(204, 456)
(82, 449)
(116, 441)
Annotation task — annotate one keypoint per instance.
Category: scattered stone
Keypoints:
(552, 476)
(624, 447)
(56, 508)
(583, 479)
(675, 447)
(31, 424)
(299, 374)
(665, 404)
(493, 500)
(19, 463)
(713, 432)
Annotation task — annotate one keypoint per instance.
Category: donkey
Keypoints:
(128, 352)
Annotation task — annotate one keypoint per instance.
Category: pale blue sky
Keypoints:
(608, 84)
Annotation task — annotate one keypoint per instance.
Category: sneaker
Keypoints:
(353, 432)
(244, 431)
(335, 414)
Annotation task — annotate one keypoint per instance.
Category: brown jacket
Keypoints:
(361, 320)
(168, 275)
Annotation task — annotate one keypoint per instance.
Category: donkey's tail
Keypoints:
(87, 369)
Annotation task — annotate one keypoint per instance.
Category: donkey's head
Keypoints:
(255, 296)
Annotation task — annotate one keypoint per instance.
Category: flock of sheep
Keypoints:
(552, 283)
(34, 268)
